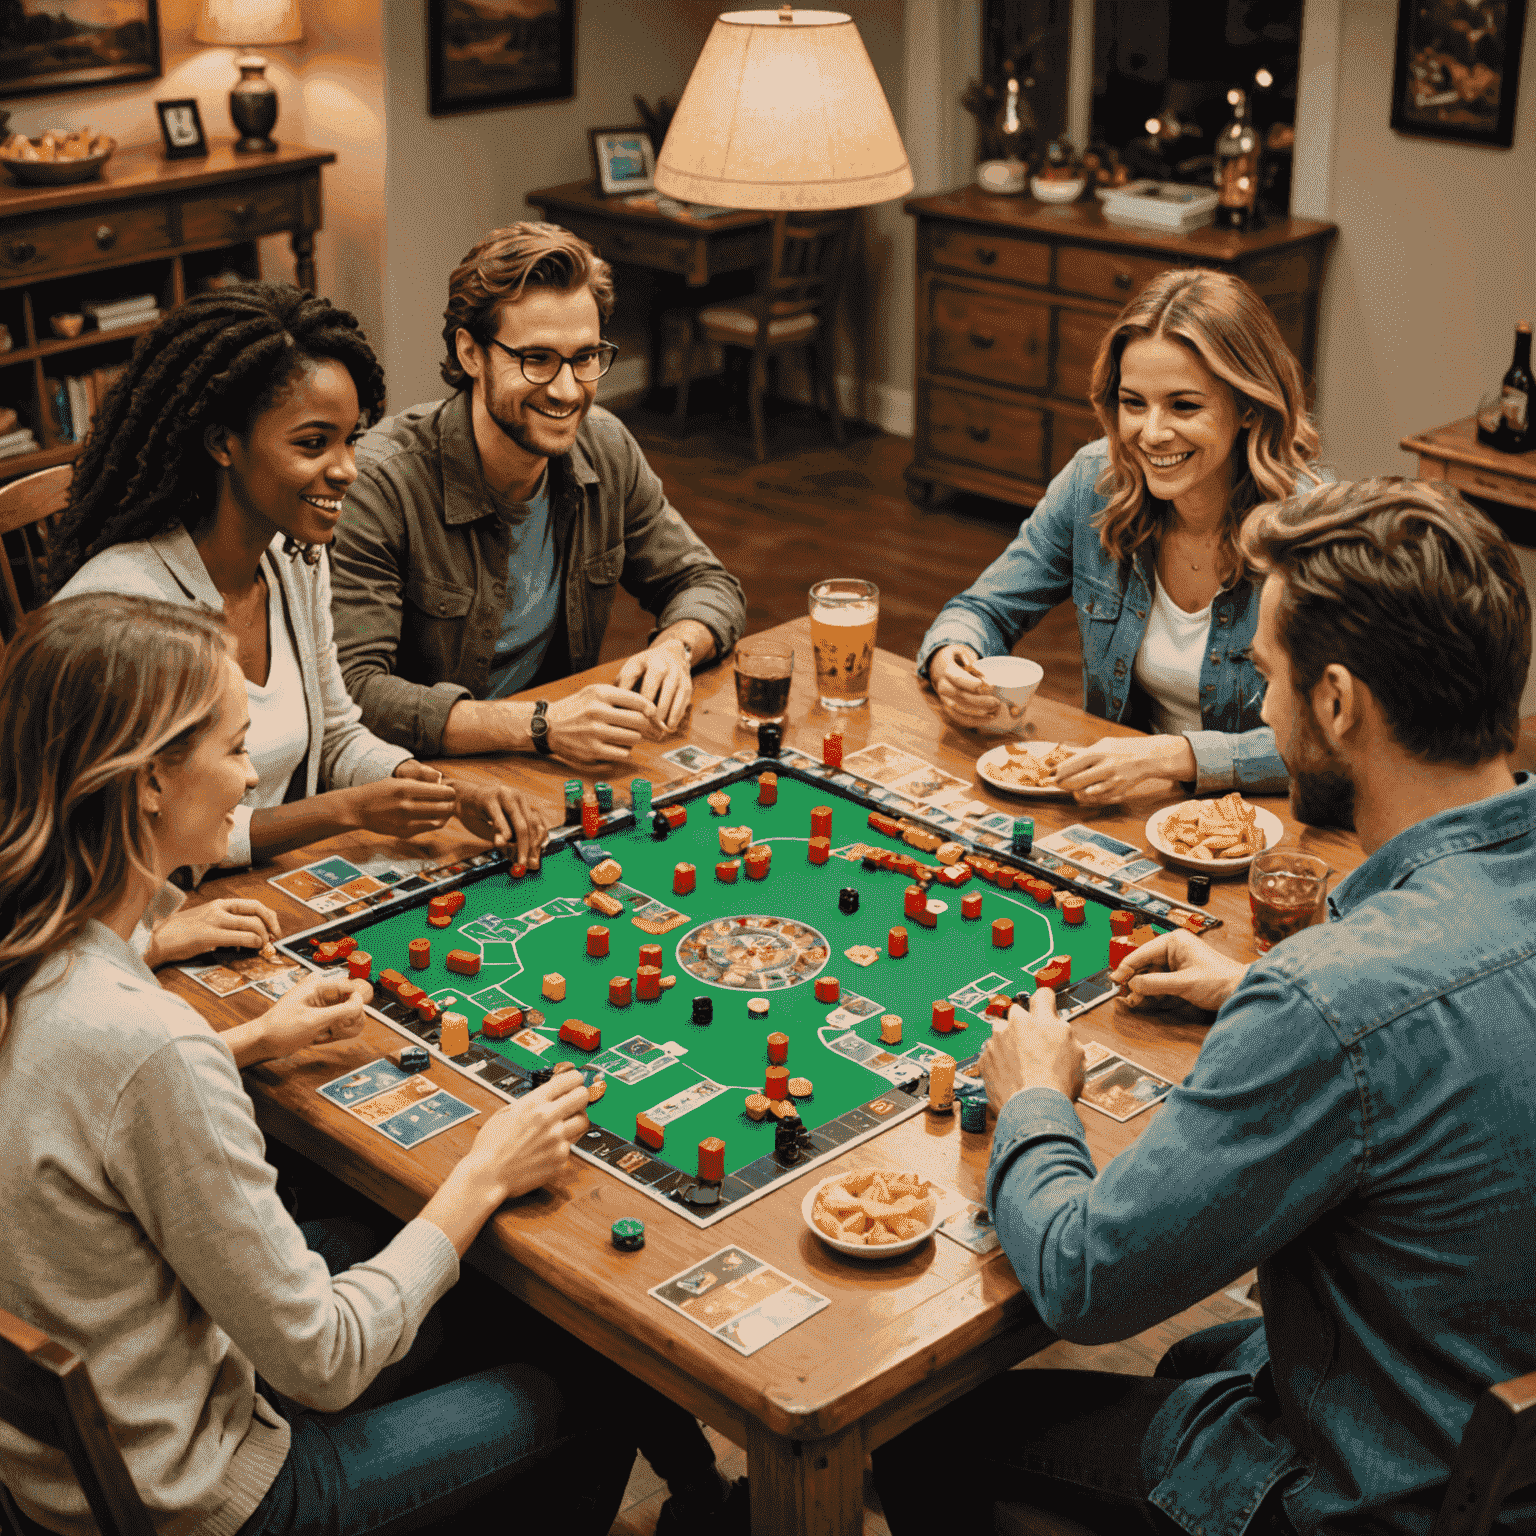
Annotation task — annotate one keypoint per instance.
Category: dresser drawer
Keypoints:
(1071, 430)
(981, 336)
(653, 248)
(1008, 439)
(241, 213)
(1106, 274)
(1495, 487)
(1079, 334)
(987, 253)
(114, 234)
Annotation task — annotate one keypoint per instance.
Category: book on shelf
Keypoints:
(132, 317)
(14, 444)
(73, 402)
(136, 304)
(56, 400)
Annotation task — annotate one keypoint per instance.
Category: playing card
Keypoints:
(1121, 1089)
(882, 763)
(971, 1227)
(694, 759)
(363, 1084)
(420, 1122)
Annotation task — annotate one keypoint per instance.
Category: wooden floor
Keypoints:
(814, 511)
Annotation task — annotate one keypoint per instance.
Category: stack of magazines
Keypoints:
(114, 314)
(18, 441)
(1159, 205)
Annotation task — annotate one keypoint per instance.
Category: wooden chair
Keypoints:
(793, 309)
(1497, 1458)
(27, 509)
(46, 1393)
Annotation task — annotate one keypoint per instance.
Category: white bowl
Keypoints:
(994, 758)
(864, 1250)
(1269, 824)
(1057, 191)
(1014, 680)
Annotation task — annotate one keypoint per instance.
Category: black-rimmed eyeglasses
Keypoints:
(542, 365)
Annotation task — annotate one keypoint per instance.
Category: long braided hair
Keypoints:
(220, 359)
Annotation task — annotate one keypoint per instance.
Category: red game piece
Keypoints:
(345, 946)
(426, 1010)
(819, 850)
(711, 1160)
(821, 821)
(597, 941)
(455, 901)
(408, 993)
(828, 989)
(359, 965)
(437, 906)
(1119, 947)
(677, 815)
(462, 963)
(896, 942)
(585, 1037)
(1121, 922)
(767, 794)
(776, 1082)
(328, 953)
(832, 749)
(970, 905)
(880, 822)
(648, 1133)
(518, 870)
(591, 816)
(997, 1007)
(391, 981)
(913, 900)
(420, 951)
(953, 875)
(778, 1048)
(726, 870)
(1043, 892)
(1006, 878)
(650, 954)
(1055, 973)
(1074, 909)
(944, 1016)
(619, 991)
(501, 1023)
(684, 879)
(757, 861)
(926, 915)
(438, 919)
(1002, 933)
(648, 983)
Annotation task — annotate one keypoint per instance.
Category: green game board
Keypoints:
(694, 1078)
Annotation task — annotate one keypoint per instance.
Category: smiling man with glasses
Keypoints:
(482, 541)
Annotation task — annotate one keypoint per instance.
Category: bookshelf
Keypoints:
(150, 226)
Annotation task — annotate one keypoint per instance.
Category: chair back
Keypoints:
(46, 1393)
(1497, 1458)
(806, 266)
(29, 509)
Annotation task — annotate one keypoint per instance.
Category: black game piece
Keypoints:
(539, 1076)
(848, 899)
(770, 739)
(703, 1010)
(871, 862)
(786, 1139)
(413, 1058)
(1199, 891)
(660, 827)
(702, 1196)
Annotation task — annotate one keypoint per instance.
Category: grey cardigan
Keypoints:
(342, 750)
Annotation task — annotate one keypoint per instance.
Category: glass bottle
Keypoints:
(1015, 127)
(1237, 168)
(1516, 431)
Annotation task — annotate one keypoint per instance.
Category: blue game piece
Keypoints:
(973, 1113)
(628, 1234)
(640, 798)
(1023, 835)
(604, 793)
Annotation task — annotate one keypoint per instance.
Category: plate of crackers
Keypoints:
(872, 1213)
(1026, 768)
(1217, 837)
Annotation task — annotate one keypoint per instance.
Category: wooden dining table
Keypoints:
(902, 1336)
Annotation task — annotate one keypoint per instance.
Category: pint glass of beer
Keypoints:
(843, 616)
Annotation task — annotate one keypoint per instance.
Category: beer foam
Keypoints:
(847, 616)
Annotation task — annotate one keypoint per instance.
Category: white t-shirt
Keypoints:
(1168, 663)
(278, 740)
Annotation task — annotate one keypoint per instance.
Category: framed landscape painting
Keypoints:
(1458, 69)
(499, 53)
(72, 45)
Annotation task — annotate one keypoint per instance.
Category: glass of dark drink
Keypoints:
(1285, 894)
(764, 671)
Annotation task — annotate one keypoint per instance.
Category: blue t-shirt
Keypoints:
(533, 594)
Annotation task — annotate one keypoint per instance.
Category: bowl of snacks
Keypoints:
(872, 1213)
(1216, 837)
(57, 157)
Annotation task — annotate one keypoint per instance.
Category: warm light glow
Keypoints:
(1232, 97)
(1263, 79)
(248, 23)
(1153, 125)
(783, 113)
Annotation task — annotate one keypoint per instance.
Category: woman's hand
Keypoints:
(416, 799)
(229, 922)
(1116, 767)
(502, 815)
(968, 701)
(316, 1011)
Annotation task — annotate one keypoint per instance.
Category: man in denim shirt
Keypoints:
(1360, 1123)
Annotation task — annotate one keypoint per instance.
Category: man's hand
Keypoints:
(601, 723)
(1031, 1050)
(967, 701)
(229, 922)
(1115, 768)
(501, 815)
(662, 676)
(318, 1010)
(1177, 967)
(526, 1144)
(415, 799)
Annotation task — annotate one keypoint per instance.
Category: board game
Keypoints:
(782, 939)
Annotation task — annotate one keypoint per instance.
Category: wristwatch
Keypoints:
(539, 727)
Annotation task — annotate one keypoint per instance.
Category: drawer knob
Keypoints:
(20, 250)
(1123, 281)
(106, 237)
(980, 342)
(241, 213)
(979, 434)
(985, 256)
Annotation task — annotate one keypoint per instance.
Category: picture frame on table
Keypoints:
(181, 127)
(499, 53)
(623, 160)
(67, 48)
(1458, 69)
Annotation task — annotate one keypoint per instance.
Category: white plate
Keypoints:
(1269, 825)
(988, 762)
(864, 1250)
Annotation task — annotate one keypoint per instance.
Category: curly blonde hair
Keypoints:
(1227, 326)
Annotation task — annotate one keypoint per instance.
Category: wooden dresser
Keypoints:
(150, 225)
(1013, 298)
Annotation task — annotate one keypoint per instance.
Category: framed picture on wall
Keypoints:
(623, 160)
(1458, 69)
(73, 45)
(499, 53)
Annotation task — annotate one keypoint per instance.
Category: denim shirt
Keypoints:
(1056, 553)
(1361, 1125)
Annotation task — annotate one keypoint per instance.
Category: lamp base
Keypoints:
(256, 146)
(253, 107)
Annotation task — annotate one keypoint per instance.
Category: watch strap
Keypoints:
(539, 728)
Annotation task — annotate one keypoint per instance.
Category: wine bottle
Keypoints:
(1237, 168)
(1516, 432)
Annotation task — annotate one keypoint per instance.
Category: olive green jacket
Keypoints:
(419, 565)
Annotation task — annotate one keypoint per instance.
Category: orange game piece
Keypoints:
(778, 1048)
(819, 850)
(896, 942)
(648, 983)
(648, 1133)
(776, 1082)
(420, 951)
(359, 965)
(585, 1037)
(462, 963)
(711, 1160)
(1002, 933)
(454, 1037)
(501, 1023)
(943, 1016)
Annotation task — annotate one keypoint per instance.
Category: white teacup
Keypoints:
(1014, 680)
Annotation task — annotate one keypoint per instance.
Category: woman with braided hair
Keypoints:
(214, 477)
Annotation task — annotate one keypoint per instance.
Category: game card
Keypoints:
(219, 979)
(741, 1300)
(1089, 848)
(424, 1120)
(882, 764)
(929, 784)
(363, 1084)
(693, 759)
(1119, 1088)
(971, 1227)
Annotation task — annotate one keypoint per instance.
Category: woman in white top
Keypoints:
(1205, 415)
(214, 476)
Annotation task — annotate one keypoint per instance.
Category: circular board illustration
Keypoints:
(753, 953)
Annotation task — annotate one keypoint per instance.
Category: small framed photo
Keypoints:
(623, 159)
(181, 126)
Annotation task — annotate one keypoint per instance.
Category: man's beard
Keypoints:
(1322, 792)
(519, 432)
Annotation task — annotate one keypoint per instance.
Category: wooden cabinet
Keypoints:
(1013, 299)
(150, 225)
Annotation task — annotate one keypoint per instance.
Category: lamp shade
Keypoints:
(783, 110)
(248, 23)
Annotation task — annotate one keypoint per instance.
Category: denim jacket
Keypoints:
(1361, 1125)
(1056, 553)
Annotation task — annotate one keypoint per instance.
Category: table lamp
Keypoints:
(783, 110)
(248, 24)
